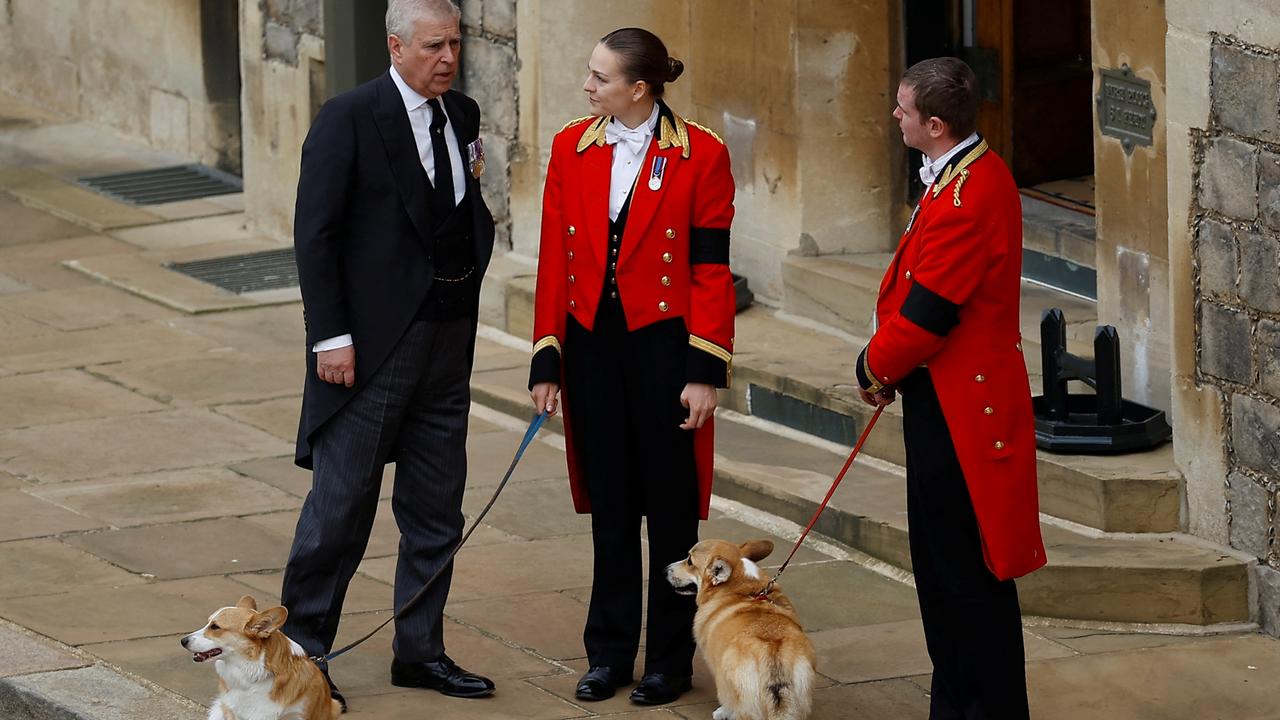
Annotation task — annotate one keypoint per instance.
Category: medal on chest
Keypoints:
(475, 158)
(655, 174)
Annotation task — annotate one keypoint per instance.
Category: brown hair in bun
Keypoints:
(643, 56)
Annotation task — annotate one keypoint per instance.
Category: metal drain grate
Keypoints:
(269, 270)
(163, 185)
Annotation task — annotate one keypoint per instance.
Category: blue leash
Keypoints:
(524, 445)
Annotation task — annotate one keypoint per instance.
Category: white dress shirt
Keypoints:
(930, 170)
(629, 148)
(420, 121)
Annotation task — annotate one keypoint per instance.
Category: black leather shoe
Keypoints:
(333, 690)
(442, 675)
(660, 689)
(601, 682)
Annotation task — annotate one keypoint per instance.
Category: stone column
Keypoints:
(1132, 246)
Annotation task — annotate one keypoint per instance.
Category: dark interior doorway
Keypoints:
(1033, 61)
(220, 58)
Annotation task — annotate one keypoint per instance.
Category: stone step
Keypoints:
(801, 377)
(1166, 579)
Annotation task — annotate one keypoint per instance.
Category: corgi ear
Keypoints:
(720, 570)
(267, 621)
(756, 550)
(247, 603)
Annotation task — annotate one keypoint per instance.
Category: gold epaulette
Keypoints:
(594, 134)
(571, 123)
(706, 130)
(959, 171)
(676, 135)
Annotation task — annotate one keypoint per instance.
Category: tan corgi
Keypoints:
(762, 661)
(263, 675)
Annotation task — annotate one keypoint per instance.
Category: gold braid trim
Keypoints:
(546, 342)
(706, 130)
(710, 347)
(955, 194)
(571, 123)
(876, 385)
(952, 171)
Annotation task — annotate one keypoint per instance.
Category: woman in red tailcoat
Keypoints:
(633, 329)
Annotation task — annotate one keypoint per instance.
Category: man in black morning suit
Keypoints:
(392, 238)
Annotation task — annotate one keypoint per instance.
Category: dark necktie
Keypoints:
(442, 203)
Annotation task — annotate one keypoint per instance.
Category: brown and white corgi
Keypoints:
(263, 675)
(762, 661)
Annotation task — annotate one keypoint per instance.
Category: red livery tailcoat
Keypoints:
(949, 300)
(673, 261)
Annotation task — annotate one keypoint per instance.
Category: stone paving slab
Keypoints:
(278, 417)
(70, 202)
(47, 566)
(1232, 677)
(281, 472)
(10, 285)
(102, 345)
(17, 327)
(149, 278)
(28, 225)
(509, 618)
(186, 550)
(101, 614)
(186, 233)
(199, 207)
(221, 376)
(364, 594)
(24, 516)
(84, 308)
(22, 654)
(92, 693)
(533, 509)
(59, 396)
(269, 330)
(164, 661)
(40, 264)
(146, 442)
(167, 497)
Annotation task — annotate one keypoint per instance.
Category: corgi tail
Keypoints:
(789, 692)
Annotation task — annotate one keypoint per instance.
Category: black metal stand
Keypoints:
(743, 297)
(1080, 423)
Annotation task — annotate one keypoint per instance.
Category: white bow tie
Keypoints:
(635, 139)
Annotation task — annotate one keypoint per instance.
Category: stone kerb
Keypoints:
(1236, 217)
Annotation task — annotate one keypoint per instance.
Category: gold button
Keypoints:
(613, 266)
(1019, 346)
(570, 254)
(614, 238)
(614, 294)
(908, 274)
(573, 304)
(989, 410)
(666, 280)
(671, 234)
(572, 230)
(666, 257)
(613, 281)
(999, 444)
(662, 305)
(980, 378)
(571, 279)
(614, 252)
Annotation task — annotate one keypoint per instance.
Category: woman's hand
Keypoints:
(885, 396)
(701, 400)
(544, 396)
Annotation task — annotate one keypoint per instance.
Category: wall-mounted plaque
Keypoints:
(1125, 110)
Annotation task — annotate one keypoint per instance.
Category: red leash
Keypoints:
(764, 594)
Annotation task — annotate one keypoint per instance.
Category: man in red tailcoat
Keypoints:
(948, 339)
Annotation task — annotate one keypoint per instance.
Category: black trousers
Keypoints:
(972, 621)
(413, 411)
(622, 392)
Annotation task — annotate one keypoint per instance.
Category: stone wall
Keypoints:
(801, 92)
(1224, 228)
(489, 74)
(282, 66)
(137, 66)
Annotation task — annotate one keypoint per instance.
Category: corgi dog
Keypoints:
(263, 675)
(762, 661)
